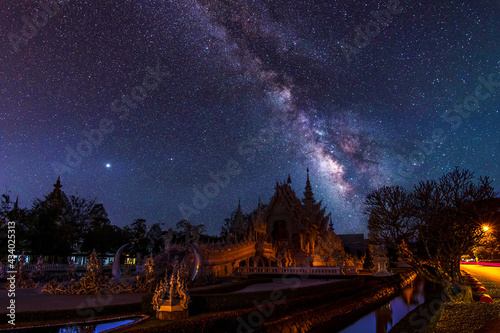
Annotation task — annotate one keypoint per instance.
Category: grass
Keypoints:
(456, 317)
(466, 317)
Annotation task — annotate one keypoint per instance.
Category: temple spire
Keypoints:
(259, 209)
(308, 193)
(56, 197)
(289, 180)
(58, 185)
(239, 213)
(238, 224)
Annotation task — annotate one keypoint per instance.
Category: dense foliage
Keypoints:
(433, 225)
(78, 226)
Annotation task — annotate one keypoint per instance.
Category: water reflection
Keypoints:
(94, 328)
(383, 318)
(80, 328)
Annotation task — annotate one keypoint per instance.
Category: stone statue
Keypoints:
(279, 259)
(148, 269)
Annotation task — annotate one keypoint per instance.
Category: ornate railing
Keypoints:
(334, 270)
(64, 267)
(350, 269)
(48, 267)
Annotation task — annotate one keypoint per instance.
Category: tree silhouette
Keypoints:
(434, 224)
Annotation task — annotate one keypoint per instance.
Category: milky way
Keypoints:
(204, 103)
(243, 24)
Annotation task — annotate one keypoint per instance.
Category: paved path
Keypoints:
(35, 300)
(490, 278)
(489, 272)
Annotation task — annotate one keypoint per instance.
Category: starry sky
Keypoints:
(165, 110)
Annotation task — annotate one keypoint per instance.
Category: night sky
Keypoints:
(142, 104)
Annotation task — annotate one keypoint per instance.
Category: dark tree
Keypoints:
(190, 232)
(10, 211)
(136, 233)
(102, 236)
(225, 230)
(433, 225)
(47, 234)
(57, 227)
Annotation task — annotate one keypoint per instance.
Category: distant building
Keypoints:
(354, 242)
(286, 232)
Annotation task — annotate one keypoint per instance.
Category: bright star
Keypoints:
(107, 165)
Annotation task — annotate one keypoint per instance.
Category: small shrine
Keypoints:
(171, 298)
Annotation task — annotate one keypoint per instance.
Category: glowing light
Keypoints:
(486, 228)
(107, 165)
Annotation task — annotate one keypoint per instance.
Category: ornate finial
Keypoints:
(58, 185)
(308, 193)
(331, 222)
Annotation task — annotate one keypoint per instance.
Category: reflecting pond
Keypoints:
(383, 318)
(93, 327)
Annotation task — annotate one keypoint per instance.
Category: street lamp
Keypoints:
(486, 228)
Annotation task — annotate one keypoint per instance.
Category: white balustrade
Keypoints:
(333, 270)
